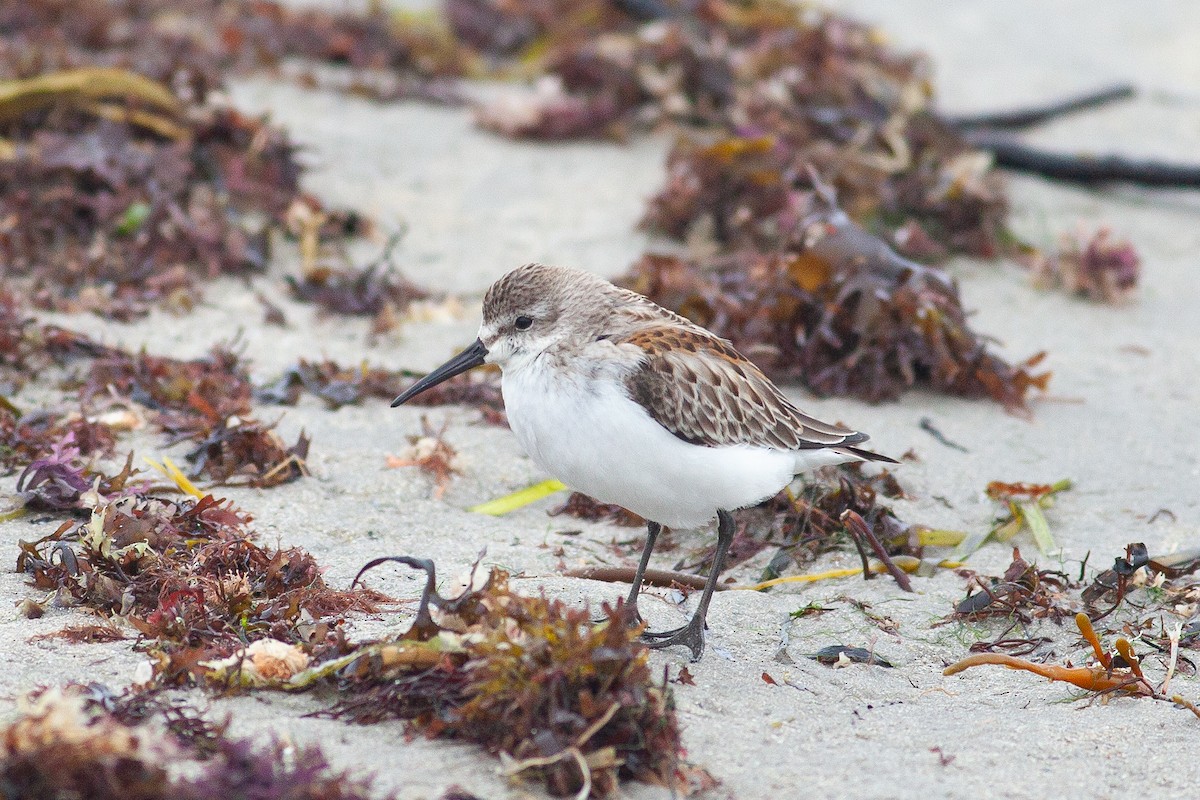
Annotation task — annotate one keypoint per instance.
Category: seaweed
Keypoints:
(239, 452)
(1097, 266)
(555, 695)
(365, 291)
(84, 741)
(125, 181)
(841, 312)
(581, 506)
(187, 575)
(61, 480)
(1024, 593)
(432, 454)
(529, 678)
(791, 89)
(1111, 673)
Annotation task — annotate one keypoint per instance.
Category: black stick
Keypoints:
(859, 529)
(1089, 170)
(1017, 119)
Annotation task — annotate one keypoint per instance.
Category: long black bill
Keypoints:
(471, 357)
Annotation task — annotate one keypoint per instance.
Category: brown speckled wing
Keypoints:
(704, 392)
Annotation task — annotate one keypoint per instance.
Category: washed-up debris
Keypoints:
(187, 575)
(337, 386)
(238, 452)
(650, 577)
(35, 436)
(195, 43)
(368, 291)
(107, 631)
(801, 526)
(1024, 505)
(479, 389)
(432, 454)
(533, 680)
(926, 424)
(863, 537)
(1099, 266)
(1168, 588)
(520, 498)
(810, 522)
(105, 216)
(843, 313)
(28, 348)
(125, 181)
(795, 88)
(1111, 673)
(205, 400)
(83, 741)
(839, 655)
(581, 506)
(63, 480)
(1023, 593)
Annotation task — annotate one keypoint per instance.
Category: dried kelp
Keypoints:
(1165, 587)
(558, 697)
(842, 313)
(123, 181)
(1024, 507)
(1099, 266)
(239, 452)
(338, 386)
(205, 400)
(186, 396)
(798, 89)
(390, 57)
(28, 347)
(1024, 593)
(583, 507)
(806, 524)
(63, 480)
(189, 577)
(432, 454)
(1112, 673)
(105, 217)
(530, 678)
(356, 292)
(30, 437)
(479, 389)
(82, 741)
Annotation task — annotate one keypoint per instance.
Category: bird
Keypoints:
(633, 404)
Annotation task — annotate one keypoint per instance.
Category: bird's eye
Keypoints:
(523, 322)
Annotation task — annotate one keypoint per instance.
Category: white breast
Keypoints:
(582, 429)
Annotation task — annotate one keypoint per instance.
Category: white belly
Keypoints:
(589, 435)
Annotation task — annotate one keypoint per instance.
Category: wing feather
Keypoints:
(703, 391)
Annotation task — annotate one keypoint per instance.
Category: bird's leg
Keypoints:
(632, 617)
(692, 634)
(631, 603)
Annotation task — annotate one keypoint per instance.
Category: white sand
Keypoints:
(1118, 422)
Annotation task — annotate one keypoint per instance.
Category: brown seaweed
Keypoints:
(841, 313)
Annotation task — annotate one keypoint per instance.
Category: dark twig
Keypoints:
(927, 425)
(654, 577)
(859, 529)
(993, 132)
(1085, 169)
(1035, 115)
(423, 626)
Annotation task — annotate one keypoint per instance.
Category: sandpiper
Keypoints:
(633, 404)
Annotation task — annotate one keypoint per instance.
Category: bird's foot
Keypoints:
(690, 635)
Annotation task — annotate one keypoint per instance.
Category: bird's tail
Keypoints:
(867, 455)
